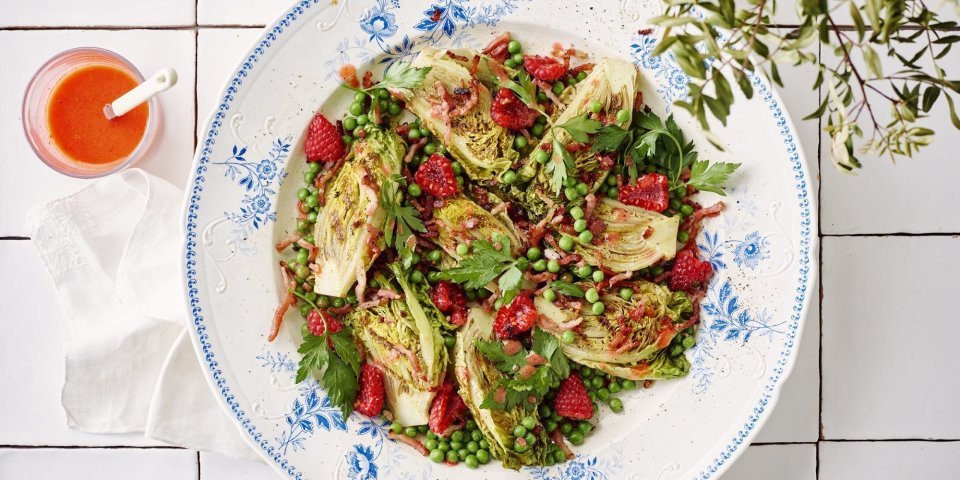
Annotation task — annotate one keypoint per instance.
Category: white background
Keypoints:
(875, 392)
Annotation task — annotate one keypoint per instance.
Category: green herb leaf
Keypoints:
(517, 388)
(401, 220)
(568, 289)
(314, 355)
(609, 138)
(580, 127)
(346, 349)
(484, 264)
(710, 178)
(402, 76)
(341, 384)
(509, 283)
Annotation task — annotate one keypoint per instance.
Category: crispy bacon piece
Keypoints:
(320, 181)
(497, 49)
(367, 79)
(459, 58)
(289, 240)
(441, 108)
(468, 97)
(288, 300)
(413, 442)
(348, 73)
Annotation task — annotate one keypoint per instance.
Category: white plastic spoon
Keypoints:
(159, 82)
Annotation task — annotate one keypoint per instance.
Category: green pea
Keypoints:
(566, 429)
(413, 134)
(614, 387)
(571, 193)
(623, 116)
(566, 277)
(457, 168)
(396, 428)
(444, 446)
(566, 243)
(513, 46)
(626, 293)
(303, 193)
(432, 436)
(581, 76)
(541, 156)
(559, 456)
(484, 444)
(303, 225)
(436, 456)
(616, 405)
(359, 132)
(550, 426)
(575, 438)
(592, 295)
(517, 58)
(629, 384)
(567, 337)
(311, 296)
(417, 277)
(457, 436)
(539, 265)
(425, 132)
(433, 276)
(434, 256)
(312, 217)
(509, 177)
(656, 271)
(308, 177)
(462, 249)
(441, 150)
(462, 453)
(612, 180)
(363, 120)
(520, 446)
(544, 410)
(305, 310)
(597, 308)
(529, 422)
(530, 438)
(483, 457)
(686, 210)
(580, 225)
(595, 106)
(688, 341)
(576, 213)
(534, 253)
(323, 301)
(519, 431)
(583, 189)
(414, 190)
(471, 461)
(597, 382)
(476, 435)
(675, 204)
(429, 149)
(585, 236)
(347, 139)
(613, 192)
(394, 109)
(453, 457)
(522, 263)
(431, 444)
(337, 302)
(472, 447)
(510, 63)
(410, 431)
(302, 256)
(584, 271)
(683, 236)
(571, 81)
(553, 266)
(455, 445)
(558, 88)
(537, 129)
(356, 108)
(460, 181)
(549, 295)
(598, 276)
(349, 123)
(584, 427)
(520, 142)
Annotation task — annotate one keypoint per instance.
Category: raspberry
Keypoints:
(459, 317)
(436, 177)
(689, 271)
(323, 141)
(315, 322)
(447, 408)
(544, 68)
(518, 317)
(650, 192)
(448, 296)
(510, 112)
(370, 399)
(572, 399)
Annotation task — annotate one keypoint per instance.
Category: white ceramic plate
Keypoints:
(249, 166)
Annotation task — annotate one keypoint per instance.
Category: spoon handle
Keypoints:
(159, 82)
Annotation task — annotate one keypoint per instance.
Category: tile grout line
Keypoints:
(816, 465)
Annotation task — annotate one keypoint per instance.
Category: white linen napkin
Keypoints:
(113, 250)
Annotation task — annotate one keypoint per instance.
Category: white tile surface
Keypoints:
(889, 330)
(239, 12)
(97, 12)
(915, 195)
(97, 464)
(32, 333)
(889, 460)
(780, 462)
(218, 53)
(219, 467)
(24, 179)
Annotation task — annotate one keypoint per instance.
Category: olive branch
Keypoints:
(715, 41)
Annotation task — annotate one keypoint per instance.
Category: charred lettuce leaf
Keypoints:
(347, 229)
(632, 238)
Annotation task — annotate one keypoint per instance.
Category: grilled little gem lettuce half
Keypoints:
(463, 221)
(630, 339)
(613, 83)
(478, 377)
(632, 238)
(402, 338)
(349, 224)
(483, 148)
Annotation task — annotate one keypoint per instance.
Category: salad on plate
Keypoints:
(491, 247)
